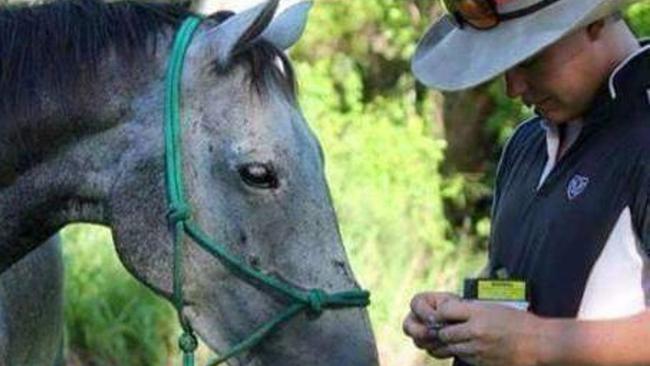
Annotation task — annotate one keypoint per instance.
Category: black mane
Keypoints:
(48, 48)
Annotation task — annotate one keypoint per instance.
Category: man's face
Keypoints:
(560, 82)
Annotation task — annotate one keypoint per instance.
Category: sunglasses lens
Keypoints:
(479, 14)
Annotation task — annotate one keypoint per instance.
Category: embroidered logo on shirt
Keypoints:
(577, 185)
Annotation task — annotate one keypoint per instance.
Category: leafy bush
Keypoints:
(382, 166)
(111, 319)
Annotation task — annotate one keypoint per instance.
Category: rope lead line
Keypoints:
(179, 216)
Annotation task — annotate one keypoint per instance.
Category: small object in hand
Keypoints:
(434, 328)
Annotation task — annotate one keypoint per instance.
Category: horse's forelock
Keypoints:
(268, 67)
(48, 49)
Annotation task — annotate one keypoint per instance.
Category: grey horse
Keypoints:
(81, 140)
(31, 309)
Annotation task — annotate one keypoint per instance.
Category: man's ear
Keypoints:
(595, 29)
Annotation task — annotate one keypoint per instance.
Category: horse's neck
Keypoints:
(62, 166)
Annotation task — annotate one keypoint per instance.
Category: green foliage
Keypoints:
(638, 16)
(111, 319)
(383, 171)
(382, 160)
(377, 38)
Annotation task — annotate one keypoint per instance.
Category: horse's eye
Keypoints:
(258, 175)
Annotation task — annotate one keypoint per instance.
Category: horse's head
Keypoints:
(254, 182)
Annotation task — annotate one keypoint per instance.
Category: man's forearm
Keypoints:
(590, 343)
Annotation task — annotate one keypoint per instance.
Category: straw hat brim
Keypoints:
(449, 58)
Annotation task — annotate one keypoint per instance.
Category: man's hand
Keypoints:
(488, 335)
(421, 323)
(492, 335)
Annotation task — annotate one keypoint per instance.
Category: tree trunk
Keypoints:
(465, 116)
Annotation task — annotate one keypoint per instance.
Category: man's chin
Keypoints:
(554, 116)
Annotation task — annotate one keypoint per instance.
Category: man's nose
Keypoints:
(516, 84)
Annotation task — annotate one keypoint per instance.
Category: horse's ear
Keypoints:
(224, 40)
(287, 28)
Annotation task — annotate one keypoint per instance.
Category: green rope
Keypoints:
(314, 301)
(179, 211)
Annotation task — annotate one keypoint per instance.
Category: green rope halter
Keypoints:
(314, 301)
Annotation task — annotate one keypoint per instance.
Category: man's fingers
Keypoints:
(420, 324)
(433, 347)
(439, 352)
(453, 311)
(426, 344)
(415, 328)
(458, 333)
(464, 350)
(424, 304)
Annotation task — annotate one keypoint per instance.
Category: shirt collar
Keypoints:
(629, 80)
(572, 131)
(626, 75)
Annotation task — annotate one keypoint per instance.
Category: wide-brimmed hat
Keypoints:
(452, 58)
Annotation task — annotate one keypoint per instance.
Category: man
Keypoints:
(571, 211)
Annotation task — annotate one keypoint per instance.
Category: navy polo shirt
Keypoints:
(555, 234)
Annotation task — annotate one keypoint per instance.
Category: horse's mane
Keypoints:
(47, 48)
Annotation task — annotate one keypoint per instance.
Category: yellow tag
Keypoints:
(501, 290)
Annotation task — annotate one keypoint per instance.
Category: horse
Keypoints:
(31, 309)
(83, 86)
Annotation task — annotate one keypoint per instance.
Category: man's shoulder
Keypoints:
(528, 127)
(637, 134)
(526, 132)
(519, 145)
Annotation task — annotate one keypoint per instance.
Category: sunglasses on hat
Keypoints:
(484, 14)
